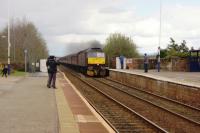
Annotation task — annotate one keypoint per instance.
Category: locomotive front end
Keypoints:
(96, 62)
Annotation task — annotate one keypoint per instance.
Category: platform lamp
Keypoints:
(9, 43)
(160, 32)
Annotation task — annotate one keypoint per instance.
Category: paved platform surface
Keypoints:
(27, 106)
(186, 78)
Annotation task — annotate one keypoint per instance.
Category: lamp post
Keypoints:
(160, 32)
(9, 44)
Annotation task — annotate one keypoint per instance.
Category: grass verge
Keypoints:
(18, 73)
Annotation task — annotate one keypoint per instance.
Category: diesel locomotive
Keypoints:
(91, 62)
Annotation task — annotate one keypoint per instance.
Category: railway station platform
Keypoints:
(185, 78)
(28, 106)
(180, 86)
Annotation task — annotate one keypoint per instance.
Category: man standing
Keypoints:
(52, 70)
(5, 71)
(158, 60)
(146, 62)
(121, 58)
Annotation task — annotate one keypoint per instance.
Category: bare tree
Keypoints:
(24, 35)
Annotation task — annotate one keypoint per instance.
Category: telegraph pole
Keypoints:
(160, 29)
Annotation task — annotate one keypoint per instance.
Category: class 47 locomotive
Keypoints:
(91, 62)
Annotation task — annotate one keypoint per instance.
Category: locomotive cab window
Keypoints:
(96, 54)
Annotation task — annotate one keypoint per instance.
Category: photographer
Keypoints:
(52, 70)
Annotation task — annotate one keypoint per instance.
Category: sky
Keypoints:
(67, 24)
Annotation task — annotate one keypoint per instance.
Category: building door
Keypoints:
(194, 61)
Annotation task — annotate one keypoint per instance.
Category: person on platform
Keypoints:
(121, 58)
(5, 71)
(52, 70)
(158, 59)
(146, 62)
(158, 62)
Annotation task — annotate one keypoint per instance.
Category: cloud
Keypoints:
(144, 31)
(78, 38)
(111, 10)
(182, 23)
(147, 27)
(65, 22)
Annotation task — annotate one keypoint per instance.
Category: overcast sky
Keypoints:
(70, 23)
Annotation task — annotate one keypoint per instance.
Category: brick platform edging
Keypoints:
(180, 92)
(64, 113)
(160, 78)
(104, 123)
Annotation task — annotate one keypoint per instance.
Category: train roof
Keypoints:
(88, 50)
(69, 55)
(92, 49)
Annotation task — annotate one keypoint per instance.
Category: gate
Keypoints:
(194, 61)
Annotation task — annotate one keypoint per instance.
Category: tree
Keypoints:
(24, 35)
(3, 48)
(173, 45)
(118, 44)
(173, 49)
(183, 47)
(163, 53)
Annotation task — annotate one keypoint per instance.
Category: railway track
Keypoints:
(171, 116)
(167, 119)
(187, 111)
(119, 116)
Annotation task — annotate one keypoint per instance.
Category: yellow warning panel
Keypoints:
(96, 60)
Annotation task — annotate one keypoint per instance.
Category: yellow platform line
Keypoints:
(67, 123)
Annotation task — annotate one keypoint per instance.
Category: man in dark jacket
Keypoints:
(4, 71)
(121, 58)
(146, 62)
(52, 70)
